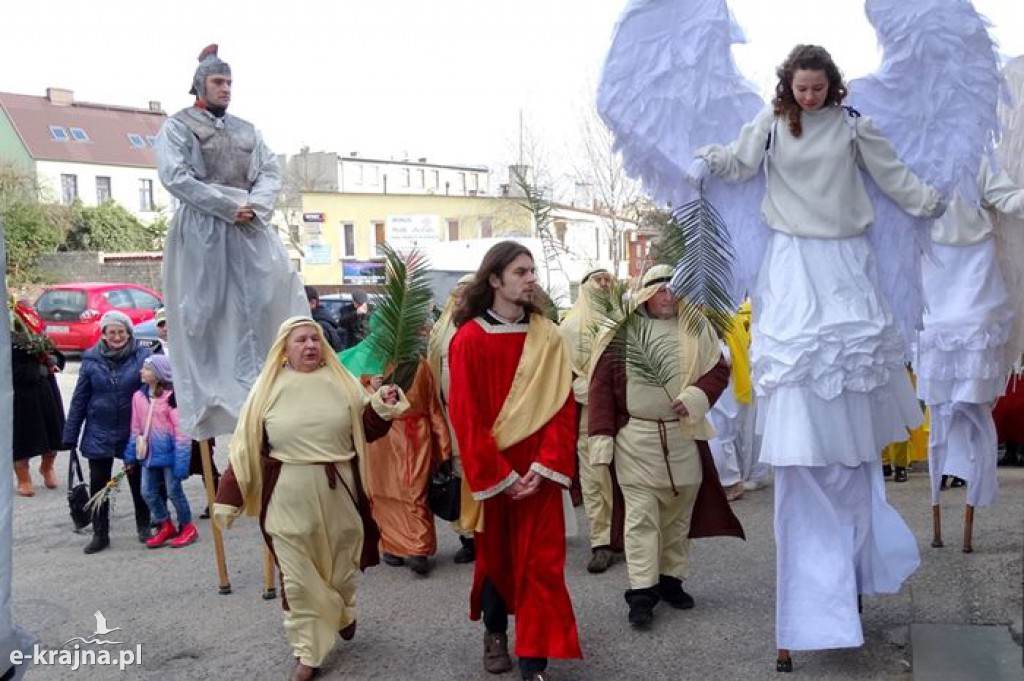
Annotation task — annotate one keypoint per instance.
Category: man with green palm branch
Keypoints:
(578, 328)
(653, 381)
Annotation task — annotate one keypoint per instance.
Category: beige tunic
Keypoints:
(639, 456)
(316, 530)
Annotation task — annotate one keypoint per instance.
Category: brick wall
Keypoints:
(136, 268)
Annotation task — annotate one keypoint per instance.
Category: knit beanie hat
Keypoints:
(115, 317)
(161, 368)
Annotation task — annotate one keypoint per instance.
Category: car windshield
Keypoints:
(60, 301)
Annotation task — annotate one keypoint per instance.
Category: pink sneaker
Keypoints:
(188, 534)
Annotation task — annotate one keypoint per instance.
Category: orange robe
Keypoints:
(399, 470)
(522, 548)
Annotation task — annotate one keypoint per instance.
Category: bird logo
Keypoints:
(101, 630)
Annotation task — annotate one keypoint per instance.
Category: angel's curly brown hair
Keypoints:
(805, 58)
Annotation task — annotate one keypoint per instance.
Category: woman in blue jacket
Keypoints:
(102, 402)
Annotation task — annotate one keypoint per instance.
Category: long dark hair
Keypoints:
(479, 295)
(805, 58)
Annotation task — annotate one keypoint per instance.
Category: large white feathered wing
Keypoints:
(670, 86)
(1010, 230)
(934, 97)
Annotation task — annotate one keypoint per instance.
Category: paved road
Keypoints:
(416, 628)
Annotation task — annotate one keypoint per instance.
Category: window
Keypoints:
(120, 298)
(348, 240)
(145, 195)
(453, 229)
(60, 304)
(151, 140)
(144, 301)
(58, 133)
(359, 173)
(102, 189)
(462, 182)
(68, 189)
(405, 177)
(486, 229)
(379, 233)
(474, 182)
(79, 135)
(435, 179)
(421, 178)
(136, 141)
(374, 175)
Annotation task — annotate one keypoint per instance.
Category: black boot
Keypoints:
(641, 606)
(467, 553)
(145, 532)
(100, 534)
(670, 589)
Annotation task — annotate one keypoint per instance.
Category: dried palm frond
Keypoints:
(704, 267)
(401, 315)
(106, 495)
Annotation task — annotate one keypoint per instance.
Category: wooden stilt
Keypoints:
(936, 526)
(269, 590)
(783, 661)
(218, 539)
(968, 529)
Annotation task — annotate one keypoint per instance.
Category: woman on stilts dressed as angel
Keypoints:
(829, 256)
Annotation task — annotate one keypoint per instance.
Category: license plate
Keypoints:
(57, 329)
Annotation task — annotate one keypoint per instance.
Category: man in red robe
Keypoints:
(514, 417)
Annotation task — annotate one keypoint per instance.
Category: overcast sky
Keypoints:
(444, 79)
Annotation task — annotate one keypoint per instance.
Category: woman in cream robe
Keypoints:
(295, 460)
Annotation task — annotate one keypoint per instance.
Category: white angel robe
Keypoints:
(962, 363)
(827, 362)
(227, 287)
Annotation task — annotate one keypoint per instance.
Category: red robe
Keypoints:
(522, 547)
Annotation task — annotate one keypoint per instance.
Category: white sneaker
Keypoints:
(754, 485)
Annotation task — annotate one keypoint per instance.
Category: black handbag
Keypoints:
(443, 496)
(78, 493)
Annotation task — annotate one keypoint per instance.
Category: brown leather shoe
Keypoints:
(303, 672)
(349, 632)
(496, 659)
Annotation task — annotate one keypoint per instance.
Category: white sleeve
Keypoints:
(878, 157)
(741, 159)
(1001, 194)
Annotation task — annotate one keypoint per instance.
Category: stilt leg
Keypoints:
(968, 528)
(218, 538)
(269, 590)
(783, 663)
(936, 526)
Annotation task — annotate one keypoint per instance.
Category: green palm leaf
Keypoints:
(651, 361)
(401, 315)
(699, 238)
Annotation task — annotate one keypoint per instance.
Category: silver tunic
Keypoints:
(227, 288)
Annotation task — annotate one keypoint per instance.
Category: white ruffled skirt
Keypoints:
(832, 392)
(962, 365)
(962, 349)
(828, 362)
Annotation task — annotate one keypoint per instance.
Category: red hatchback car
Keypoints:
(72, 312)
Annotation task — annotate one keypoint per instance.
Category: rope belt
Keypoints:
(663, 436)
